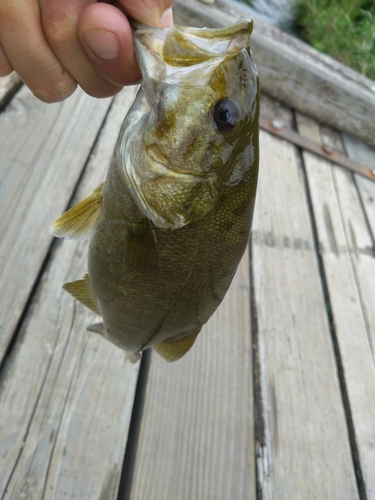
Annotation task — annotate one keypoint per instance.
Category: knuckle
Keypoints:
(54, 93)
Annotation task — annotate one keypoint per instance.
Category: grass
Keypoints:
(344, 29)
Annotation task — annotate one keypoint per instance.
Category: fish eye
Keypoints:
(226, 114)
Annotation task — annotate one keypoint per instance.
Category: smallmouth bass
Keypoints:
(171, 222)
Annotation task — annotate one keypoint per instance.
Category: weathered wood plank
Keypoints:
(303, 448)
(357, 201)
(365, 155)
(8, 86)
(66, 395)
(196, 436)
(295, 73)
(43, 150)
(346, 248)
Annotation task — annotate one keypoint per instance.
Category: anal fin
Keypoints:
(81, 291)
(80, 220)
(172, 350)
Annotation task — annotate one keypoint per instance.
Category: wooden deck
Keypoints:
(277, 398)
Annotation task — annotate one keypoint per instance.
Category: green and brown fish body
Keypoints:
(171, 223)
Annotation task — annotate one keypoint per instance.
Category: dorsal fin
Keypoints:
(81, 291)
(172, 350)
(79, 221)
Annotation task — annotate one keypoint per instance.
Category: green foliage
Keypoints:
(344, 29)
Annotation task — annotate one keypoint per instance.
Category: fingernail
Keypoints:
(102, 43)
(166, 20)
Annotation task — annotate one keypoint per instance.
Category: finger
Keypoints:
(149, 12)
(102, 27)
(27, 51)
(106, 38)
(60, 24)
(5, 67)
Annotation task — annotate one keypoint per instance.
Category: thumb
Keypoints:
(149, 12)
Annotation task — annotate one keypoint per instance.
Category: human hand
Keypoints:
(54, 45)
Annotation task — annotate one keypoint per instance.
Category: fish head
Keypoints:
(194, 126)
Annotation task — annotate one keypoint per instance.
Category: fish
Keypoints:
(168, 227)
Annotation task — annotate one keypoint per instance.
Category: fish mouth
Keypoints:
(187, 54)
(187, 45)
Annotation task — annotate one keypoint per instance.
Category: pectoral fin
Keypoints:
(140, 246)
(81, 291)
(79, 221)
(172, 350)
